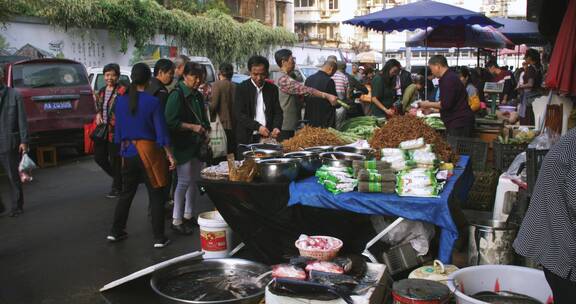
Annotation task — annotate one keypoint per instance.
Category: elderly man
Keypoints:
(13, 141)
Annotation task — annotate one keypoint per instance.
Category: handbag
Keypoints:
(205, 153)
(100, 133)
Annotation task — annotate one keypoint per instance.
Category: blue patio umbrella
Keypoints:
(521, 31)
(420, 15)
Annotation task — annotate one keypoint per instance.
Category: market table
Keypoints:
(436, 211)
(270, 217)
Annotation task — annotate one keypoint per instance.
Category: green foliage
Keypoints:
(213, 34)
(3, 44)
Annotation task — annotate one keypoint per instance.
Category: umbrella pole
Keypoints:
(457, 56)
(426, 66)
(478, 57)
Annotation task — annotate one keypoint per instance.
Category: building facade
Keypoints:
(274, 13)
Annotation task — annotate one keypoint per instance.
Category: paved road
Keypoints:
(57, 253)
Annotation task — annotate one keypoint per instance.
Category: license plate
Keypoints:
(56, 106)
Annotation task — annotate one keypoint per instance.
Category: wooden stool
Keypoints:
(51, 160)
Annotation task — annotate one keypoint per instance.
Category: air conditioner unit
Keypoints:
(325, 13)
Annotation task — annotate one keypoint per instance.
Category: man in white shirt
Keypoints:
(256, 105)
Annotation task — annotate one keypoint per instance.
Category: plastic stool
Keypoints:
(503, 202)
(51, 160)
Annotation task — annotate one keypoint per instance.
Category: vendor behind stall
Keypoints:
(384, 91)
(257, 105)
(412, 93)
(453, 105)
(503, 75)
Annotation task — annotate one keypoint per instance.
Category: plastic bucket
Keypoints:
(475, 279)
(215, 235)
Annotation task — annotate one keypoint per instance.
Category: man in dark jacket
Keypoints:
(13, 141)
(319, 112)
(256, 105)
(163, 76)
(453, 104)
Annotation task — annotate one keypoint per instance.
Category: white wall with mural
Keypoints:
(92, 47)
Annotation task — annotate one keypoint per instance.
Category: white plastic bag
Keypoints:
(218, 140)
(25, 168)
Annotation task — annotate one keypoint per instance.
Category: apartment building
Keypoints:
(274, 13)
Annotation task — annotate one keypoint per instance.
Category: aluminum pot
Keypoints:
(340, 159)
(263, 147)
(368, 152)
(277, 170)
(309, 161)
(261, 154)
(212, 280)
(320, 149)
(490, 242)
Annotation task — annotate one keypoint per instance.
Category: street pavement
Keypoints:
(57, 253)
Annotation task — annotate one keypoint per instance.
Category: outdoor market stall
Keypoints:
(270, 214)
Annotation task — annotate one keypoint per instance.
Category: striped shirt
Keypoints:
(341, 81)
(548, 233)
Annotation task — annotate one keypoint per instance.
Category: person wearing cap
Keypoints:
(13, 142)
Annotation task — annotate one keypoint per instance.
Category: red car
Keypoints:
(58, 99)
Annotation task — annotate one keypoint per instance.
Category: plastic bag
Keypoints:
(517, 169)
(218, 141)
(545, 140)
(25, 168)
(418, 234)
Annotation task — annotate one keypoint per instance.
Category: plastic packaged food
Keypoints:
(412, 144)
(288, 271)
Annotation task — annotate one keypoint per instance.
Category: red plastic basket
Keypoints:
(321, 255)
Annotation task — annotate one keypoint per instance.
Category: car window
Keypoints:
(45, 75)
(100, 83)
(209, 73)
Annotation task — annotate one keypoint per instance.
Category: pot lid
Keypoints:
(418, 289)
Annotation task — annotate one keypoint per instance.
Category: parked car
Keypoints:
(239, 78)
(204, 61)
(57, 98)
(96, 77)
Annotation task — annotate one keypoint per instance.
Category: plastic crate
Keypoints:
(473, 147)
(483, 192)
(504, 154)
(534, 160)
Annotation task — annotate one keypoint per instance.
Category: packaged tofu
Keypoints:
(412, 144)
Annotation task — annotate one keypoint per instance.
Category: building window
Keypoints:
(304, 3)
(333, 4)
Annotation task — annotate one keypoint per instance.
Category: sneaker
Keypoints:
(191, 223)
(113, 194)
(116, 237)
(182, 229)
(161, 243)
(16, 212)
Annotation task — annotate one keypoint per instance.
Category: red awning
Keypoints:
(562, 71)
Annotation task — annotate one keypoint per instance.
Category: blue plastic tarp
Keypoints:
(436, 211)
(420, 15)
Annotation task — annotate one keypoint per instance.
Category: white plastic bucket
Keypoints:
(215, 235)
(475, 279)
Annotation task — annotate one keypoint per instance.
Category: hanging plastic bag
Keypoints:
(218, 140)
(25, 168)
